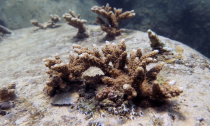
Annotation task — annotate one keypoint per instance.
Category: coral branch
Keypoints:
(112, 18)
(50, 24)
(156, 43)
(76, 22)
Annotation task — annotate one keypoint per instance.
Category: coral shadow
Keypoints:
(75, 39)
(164, 106)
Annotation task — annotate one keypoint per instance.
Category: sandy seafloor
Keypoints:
(21, 61)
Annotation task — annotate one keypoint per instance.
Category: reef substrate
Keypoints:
(22, 57)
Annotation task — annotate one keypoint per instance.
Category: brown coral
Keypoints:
(129, 75)
(113, 18)
(62, 74)
(125, 77)
(157, 43)
(76, 22)
(8, 93)
(49, 24)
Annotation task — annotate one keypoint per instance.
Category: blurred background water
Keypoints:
(187, 21)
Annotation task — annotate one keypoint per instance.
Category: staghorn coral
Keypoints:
(49, 24)
(62, 74)
(113, 19)
(76, 22)
(125, 77)
(8, 93)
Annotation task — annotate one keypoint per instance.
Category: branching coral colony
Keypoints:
(50, 24)
(113, 19)
(125, 77)
(76, 22)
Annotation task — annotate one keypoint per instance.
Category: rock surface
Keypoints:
(21, 58)
(17, 14)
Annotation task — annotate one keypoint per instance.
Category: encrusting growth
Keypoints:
(50, 24)
(125, 77)
(113, 18)
(76, 22)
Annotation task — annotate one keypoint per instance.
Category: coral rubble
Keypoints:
(49, 24)
(8, 93)
(113, 18)
(125, 77)
(76, 22)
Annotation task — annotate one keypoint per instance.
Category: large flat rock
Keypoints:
(21, 57)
